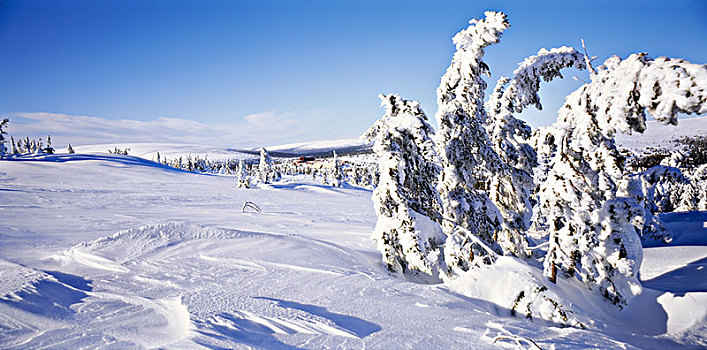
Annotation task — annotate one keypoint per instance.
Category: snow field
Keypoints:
(111, 251)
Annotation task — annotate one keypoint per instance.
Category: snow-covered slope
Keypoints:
(169, 150)
(659, 135)
(173, 151)
(111, 251)
(322, 148)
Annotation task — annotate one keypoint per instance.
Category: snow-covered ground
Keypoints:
(659, 135)
(112, 251)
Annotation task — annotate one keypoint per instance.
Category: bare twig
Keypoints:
(251, 205)
(587, 60)
(518, 340)
(474, 238)
(579, 79)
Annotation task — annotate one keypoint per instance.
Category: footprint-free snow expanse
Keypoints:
(111, 251)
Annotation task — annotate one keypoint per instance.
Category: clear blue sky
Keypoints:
(319, 63)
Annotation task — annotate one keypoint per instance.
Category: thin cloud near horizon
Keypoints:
(253, 130)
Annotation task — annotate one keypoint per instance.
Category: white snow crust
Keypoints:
(112, 251)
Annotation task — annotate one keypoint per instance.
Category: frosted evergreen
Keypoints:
(406, 202)
(590, 235)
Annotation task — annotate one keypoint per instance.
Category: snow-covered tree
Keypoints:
(14, 146)
(3, 148)
(407, 204)
(469, 162)
(266, 173)
(652, 189)
(593, 232)
(509, 135)
(242, 175)
(512, 186)
(693, 195)
(48, 149)
(336, 172)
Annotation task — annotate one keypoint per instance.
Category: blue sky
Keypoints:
(245, 73)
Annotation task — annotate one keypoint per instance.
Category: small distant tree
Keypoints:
(242, 175)
(27, 145)
(48, 149)
(3, 148)
(14, 146)
(325, 176)
(336, 172)
(266, 173)
(70, 149)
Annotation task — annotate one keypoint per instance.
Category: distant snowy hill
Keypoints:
(320, 148)
(658, 135)
(171, 150)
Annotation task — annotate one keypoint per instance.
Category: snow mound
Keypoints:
(129, 244)
(523, 291)
(15, 277)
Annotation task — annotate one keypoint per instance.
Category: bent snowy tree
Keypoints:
(593, 232)
(467, 158)
(511, 189)
(407, 205)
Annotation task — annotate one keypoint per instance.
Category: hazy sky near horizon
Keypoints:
(245, 73)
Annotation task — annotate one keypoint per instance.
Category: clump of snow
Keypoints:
(518, 288)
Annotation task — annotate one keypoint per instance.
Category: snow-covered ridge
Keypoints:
(172, 150)
(659, 135)
(342, 147)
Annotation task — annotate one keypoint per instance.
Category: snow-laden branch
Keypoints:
(522, 89)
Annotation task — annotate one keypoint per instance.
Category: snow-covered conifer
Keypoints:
(509, 135)
(590, 233)
(697, 196)
(512, 186)
(407, 204)
(652, 189)
(264, 166)
(266, 172)
(469, 162)
(336, 172)
(325, 176)
(48, 149)
(242, 175)
(14, 146)
(3, 148)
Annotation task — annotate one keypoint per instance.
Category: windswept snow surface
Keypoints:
(111, 251)
(659, 135)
